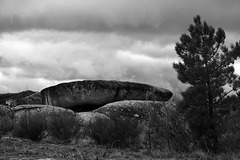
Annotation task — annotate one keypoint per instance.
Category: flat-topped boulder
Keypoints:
(91, 94)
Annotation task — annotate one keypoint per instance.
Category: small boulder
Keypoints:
(89, 95)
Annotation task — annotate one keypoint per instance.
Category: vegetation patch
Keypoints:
(30, 126)
(118, 132)
(63, 125)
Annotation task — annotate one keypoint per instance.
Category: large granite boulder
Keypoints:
(89, 95)
(45, 110)
(47, 117)
(136, 109)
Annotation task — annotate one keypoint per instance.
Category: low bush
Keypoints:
(230, 135)
(30, 126)
(101, 130)
(127, 130)
(6, 124)
(63, 126)
(6, 119)
(167, 130)
(121, 132)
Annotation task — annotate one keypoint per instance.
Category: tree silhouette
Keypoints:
(207, 66)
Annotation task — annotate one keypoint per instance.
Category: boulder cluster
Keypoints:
(91, 99)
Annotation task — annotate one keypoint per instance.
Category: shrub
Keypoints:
(127, 130)
(6, 124)
(167, 130)
(230, 138)
(6, 119)
(30, 126)
(63, 126)
(101, 130)
(123, 132)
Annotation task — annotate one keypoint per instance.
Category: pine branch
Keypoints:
(223, 97)
(215, 50)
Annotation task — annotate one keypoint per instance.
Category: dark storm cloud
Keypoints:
(135, 16)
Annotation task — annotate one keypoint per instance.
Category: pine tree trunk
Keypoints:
(212, 127)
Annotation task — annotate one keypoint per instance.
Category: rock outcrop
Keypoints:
(89, 95)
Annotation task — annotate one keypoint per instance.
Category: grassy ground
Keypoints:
(23, 149)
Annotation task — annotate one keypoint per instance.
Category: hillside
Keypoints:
(6, 96)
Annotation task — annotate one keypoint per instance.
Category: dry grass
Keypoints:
(16, 148)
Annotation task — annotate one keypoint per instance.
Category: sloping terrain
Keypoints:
(8, 96)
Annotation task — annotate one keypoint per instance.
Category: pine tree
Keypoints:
(207, 66)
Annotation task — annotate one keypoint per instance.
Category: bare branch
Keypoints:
(223, 97)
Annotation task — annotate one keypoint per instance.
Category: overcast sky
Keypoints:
(46, 42)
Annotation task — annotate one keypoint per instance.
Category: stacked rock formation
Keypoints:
(93, 99)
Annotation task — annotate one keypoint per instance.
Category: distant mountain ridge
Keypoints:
(14, 96)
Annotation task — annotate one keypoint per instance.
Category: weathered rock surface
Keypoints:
(89, 95)
(136, 108)
(87, 117)
(45, 110)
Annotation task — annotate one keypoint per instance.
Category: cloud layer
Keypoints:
(50, 41)
(111, 16)
(82, 56)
